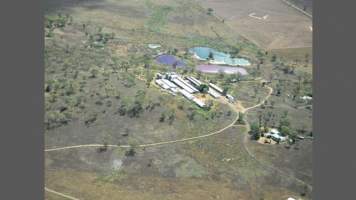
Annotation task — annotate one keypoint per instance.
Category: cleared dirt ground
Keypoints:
(280, 26)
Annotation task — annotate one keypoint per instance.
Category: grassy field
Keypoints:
(99, 89)
(283, 27)
(215, 168)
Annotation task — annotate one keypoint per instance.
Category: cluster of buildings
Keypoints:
(275, 135)
(188, 86)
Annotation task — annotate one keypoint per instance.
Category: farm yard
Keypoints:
(121, 122)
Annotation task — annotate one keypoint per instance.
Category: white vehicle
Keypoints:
(230, 98)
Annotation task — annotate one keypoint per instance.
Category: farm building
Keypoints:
(187, 84)
(214, 93)
(169, 83)
(186, 94)
(215, 87)
(199, 102)
(174, 83)
(195, 81)
(162, 84)
(182, 85)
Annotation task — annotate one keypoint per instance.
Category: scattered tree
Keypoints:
(203, 88)
(162, 117)
(255, 131)
(210, 11)
(241, 119)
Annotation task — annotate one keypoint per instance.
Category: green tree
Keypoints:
(285, 130)
(306, 58)
(198, 74)
(125, 65)
(162, 117)
(210, 11)
(203, 88)
(149, 79)
(255, 131)
(241, 119)
(225, 90)
(94, 73)
(211, 56)
(171, 117)
(284, 121)
(209, 104)
(221, 74)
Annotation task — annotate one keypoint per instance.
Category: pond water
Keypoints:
(202, 53)
(214, 69)
(167, 59)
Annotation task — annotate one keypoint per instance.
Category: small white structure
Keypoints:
(276, 135)
(159, 75)
(215, 87)
(230, 98)
(154, 46)
(162, 84)
(306, 98)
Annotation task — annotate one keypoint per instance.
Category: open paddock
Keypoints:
(283, 28)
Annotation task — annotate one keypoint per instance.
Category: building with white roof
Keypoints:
(216, 87)
(186, 94)
(169, 83)
(175, 84)
(213, 93)
(199, 102)
(162, 84)
(187, 84)
(182, 85)
(194, 81)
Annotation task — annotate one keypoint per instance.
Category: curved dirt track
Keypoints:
(60, 194)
